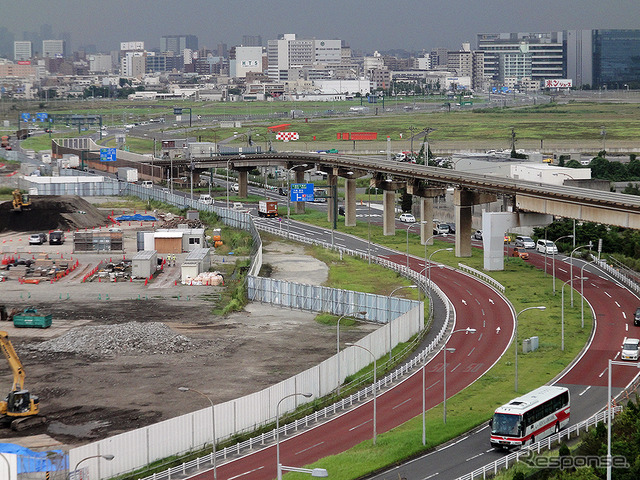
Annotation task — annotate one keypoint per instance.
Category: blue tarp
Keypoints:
(138, 217)
(30, 461)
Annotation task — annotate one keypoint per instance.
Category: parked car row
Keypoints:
(55, 238)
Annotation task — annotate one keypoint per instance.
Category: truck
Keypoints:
(267, 208)
(4, 141)
(127, 174)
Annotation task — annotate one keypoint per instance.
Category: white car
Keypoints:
(235, 187)
(526, 242)
(478, 235)
(546, 246)
(630, 349)
(407, 218)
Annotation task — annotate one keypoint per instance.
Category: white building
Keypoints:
(132, 64)
(364, 86)
(290, 53)
(22, 50)
(550, 174)
(243, 60)
(100, 63)
(53, 48)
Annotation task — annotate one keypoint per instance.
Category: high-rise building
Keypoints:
(53, 48)
(251, 40)
(177, 43)
(22, 50)
(511, 57)
(243, 60)
(290, 53)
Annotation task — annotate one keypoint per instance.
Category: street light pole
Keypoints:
(582, 291)
(449, 249)
(375, 369)
(213, 428)
(444, 403)
(279, 466)
(541, 307)
(409, 228)
(6, 460)
(288, 170)
(363, 312)
(389, 312)
(107, 457)
(590, 244)
(553, 267)
(562, 309)
(228, 182)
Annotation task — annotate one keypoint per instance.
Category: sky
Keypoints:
(371, 25)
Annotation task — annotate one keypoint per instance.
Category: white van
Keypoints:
(147, 184)
(206, 199)
(630, 349)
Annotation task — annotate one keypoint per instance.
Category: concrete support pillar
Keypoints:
(243, 183)
(332, 180)
(463, 200)
(298, 207)
(350, 202)
(388, 212)
(426, 216)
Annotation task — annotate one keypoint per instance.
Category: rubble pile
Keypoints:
(132, 338)
(173, 221)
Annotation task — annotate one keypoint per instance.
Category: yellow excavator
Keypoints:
(20, 408)
(21, 201)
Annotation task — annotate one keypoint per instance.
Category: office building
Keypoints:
(53, 48)
(177, 43)
(22, 50)
(100, 63)
(511, 57)
(291, 53)
(251, 40)
(243, 60)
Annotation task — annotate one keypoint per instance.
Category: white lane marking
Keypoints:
(454, 368)
(626, 327)
(469, 293)
(584, 391)
(463, 301)
(482, 310)
(603, 372)
(480, 337)
(562, 270)
(607, 294)
(246, 473)
(618, 354)
(477, 301)
(618, 305)
(594, 285)
(431, 386)
(475, 456)
(309, 448)
(471, 351)
(491, 301)
(432, 475)
(400, 404)
(624, 315)
(358, 426)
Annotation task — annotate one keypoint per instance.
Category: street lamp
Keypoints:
(562, 302)
(409, 228)
(553, 267)
(213, 428)
(375, 369)
(582, 291)
(389, 312)
(279, 466)
(541, 307)
(590, 244)
(107, 457)
(448, 249)
(288, 170)
(611, 363)
(363, 312)
(444, 403)
(228, 182)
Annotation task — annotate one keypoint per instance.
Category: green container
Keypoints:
(30, 319)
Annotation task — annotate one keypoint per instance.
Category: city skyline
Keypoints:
(411, 25)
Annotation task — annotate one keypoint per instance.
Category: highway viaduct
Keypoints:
(526, 202)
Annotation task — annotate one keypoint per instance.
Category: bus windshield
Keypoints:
(504, 424)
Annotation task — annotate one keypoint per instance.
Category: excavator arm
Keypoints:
(14, 361)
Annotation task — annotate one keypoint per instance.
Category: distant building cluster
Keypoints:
(292, 67)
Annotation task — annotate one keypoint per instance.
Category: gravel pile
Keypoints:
(133, 338)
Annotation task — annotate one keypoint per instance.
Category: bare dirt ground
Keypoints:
(90, 395)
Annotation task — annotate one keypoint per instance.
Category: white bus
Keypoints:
(532, 417)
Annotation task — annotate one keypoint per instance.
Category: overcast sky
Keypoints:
(365, 25)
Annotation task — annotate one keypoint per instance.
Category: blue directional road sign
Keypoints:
(42, 116)
(25, 116)
(301, 192)
(108, 155)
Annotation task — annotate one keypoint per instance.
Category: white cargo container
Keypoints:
(127, 174)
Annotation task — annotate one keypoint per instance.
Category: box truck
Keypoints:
(267, 208)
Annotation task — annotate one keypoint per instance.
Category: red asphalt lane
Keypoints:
(477, 306)
(614, 307)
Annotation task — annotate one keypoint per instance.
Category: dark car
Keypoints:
(636, 317)
(282, 191)
(341, 211)
(56, 237)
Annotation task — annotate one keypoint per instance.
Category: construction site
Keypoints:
(118, 346)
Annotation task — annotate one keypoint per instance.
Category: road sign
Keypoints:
(43, 116)
(108, 155)
(177, 111)
(25, 116)
(301, 192)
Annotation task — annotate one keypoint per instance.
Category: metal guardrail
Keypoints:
(619, 274)
(483, 276)
(546, 444)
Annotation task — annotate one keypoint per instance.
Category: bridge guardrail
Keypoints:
(486, 278)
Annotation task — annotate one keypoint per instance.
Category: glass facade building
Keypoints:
(616, 58)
